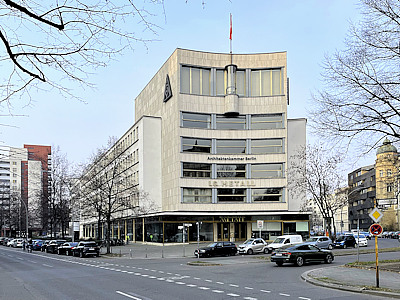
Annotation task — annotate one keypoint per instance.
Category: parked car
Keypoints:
(11, 242)
(37, 245)
(345, 241)
(322, 242)
(285, 240)
(300, 254)
(53, 245)
(217, 249)
(253, 245)
(367, 234)
(19, 243)
(44, 245)
(66, 248)
(361, 240)
(86, 248)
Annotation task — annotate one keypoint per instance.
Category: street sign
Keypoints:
(260, 224)
(376, 215)
(375, 229)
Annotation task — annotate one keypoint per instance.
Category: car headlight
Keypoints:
(202, 251)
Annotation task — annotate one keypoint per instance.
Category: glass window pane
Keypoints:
(196, 145)
(221, 82)
(231, 146)
(185, 80)
(255, 83)
(205, 82)
(197, 195)
(265, 83)
(195, 81)
(196, 170)
(266, 170)
(191, 120)
(268, 194)
(241, 83)
(266, 146)
(271, 121)
(277, 86)
(224, 122)
(231, 195)
(224, 171)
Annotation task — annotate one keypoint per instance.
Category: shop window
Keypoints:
(196, 145)
(266, 170)
(196, 170)
(271, 121)
(231, 195)
(267, 146)
(231, 146)
(195, 80)
(194, 120)
(267, 195)
(197, 195)
(231, 171)
(266, 82)
(233, 122)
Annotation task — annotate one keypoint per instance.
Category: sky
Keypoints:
(308, 30)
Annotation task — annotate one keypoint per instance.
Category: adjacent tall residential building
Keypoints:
(210, 148)
(24, 181)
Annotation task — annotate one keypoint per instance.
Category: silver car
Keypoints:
(322, 242)
(253, 245)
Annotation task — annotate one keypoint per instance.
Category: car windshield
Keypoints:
(340, 238)
(279, 240)
(212, 245)
(90, 244)
(249, 241)
(361, 236)
(312, 239)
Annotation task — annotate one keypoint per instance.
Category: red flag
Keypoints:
(230, 31)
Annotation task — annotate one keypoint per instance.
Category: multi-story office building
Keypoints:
(211, 145)
(361, 197)
(24, 183)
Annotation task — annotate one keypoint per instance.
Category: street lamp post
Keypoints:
(26, 213)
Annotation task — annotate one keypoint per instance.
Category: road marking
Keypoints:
(197, 278)
(47, 265)
(304, 298)
(248, 288)
(264, 291)
(20, 258)
(179, 282)
(234, 285)
(203, 288)
(286, 295)
(208, 280)
(219, 282)
(233, 295)
(127, 295)
(218, 291)
(250, 298)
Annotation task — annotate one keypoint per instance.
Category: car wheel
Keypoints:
(330, 247)
(299, 261)
(266, 251)
(81, 254)
(328, 259)
(279, 263)
(58, 252)
(250, 251)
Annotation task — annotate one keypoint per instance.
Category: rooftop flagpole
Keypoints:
(230, 36)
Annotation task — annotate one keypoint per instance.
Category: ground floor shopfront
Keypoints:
(181, 228)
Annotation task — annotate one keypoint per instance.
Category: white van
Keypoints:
(285, 240)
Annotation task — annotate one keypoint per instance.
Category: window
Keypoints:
(197, 195)
(267, 146)
(231, 146)
(266, 82)
(193, 120)
(231, 195)
(268, 194)
(389, 187)
(224, 122)
(221, 82)
(241, 82)
(381, 173)
(196, 170)
(226, 171)
(195, 80)
(266, 170)
(389, 172)
(271, 121)
(196, 145)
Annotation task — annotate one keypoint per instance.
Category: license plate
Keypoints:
(278, 254)
(91, 248)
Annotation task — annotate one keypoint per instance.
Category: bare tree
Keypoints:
(322, 179)
(47, 44)
(360, 101)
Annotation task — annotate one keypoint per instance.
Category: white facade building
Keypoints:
(212, 145)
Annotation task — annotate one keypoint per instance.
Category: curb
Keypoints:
(355, 289)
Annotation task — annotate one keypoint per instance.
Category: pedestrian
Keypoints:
(30, 245)
(151, 237)
(23, 245)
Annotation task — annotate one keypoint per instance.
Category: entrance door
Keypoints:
(240, 231)
(223, 232)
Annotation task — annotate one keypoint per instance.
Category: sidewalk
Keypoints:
(356, 280)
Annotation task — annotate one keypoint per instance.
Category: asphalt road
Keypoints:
(47, 276)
